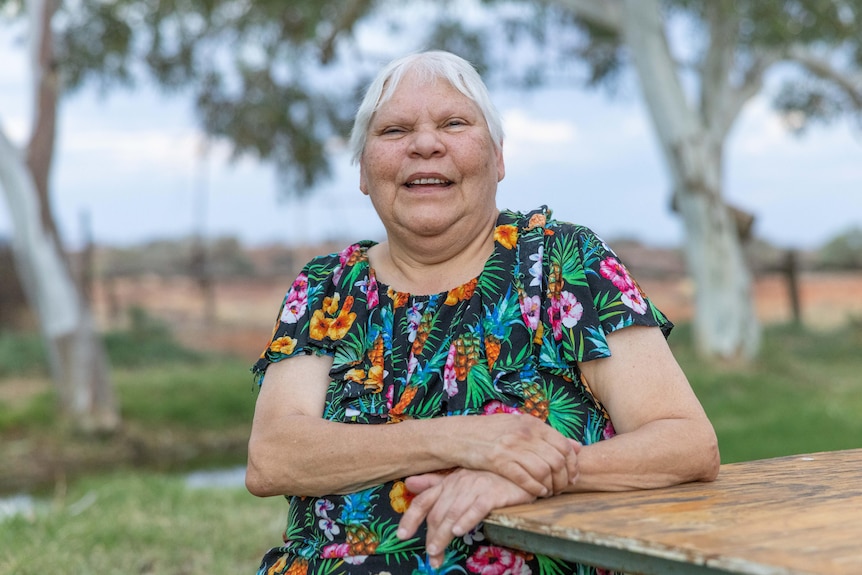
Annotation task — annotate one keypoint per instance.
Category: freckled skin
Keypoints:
(430, 130)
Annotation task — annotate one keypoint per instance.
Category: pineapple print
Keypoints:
(466, 354)
(555, 281)
(536, 401)
(361, 540)
(422, 333)
(406, 397)
(374, 379)
(492, 349)
(356, 514)
(299, 567)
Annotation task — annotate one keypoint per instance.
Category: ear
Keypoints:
(363, 181)
(501, 165)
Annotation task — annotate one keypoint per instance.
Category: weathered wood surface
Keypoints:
(786, 516)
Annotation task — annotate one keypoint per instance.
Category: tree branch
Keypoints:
(851, 84)
(605, 13)
(40, 149)
(751, 85)
(715, 90)
(349, 15)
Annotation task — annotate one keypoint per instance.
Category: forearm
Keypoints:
(307, 455)
(661, 453)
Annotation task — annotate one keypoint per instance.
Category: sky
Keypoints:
(131, 164)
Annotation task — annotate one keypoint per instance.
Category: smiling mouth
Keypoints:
(428, 182)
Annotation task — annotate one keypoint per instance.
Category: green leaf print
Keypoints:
(479, 386)
(564, 413)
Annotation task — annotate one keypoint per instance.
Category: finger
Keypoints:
(449, 508)
(519, 473)
(416, 513)
(416, 484)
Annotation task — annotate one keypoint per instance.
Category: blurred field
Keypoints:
(240, 316)
(142, 523)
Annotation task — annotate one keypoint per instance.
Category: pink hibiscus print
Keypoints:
(497, 406)
(493, 560)
(450, 380)
(634, 301)
(612, 269)
(297, 300)
(531, 308)
(571, 309)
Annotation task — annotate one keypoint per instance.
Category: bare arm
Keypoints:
(293, 450)
(663, 438)
(663, 435)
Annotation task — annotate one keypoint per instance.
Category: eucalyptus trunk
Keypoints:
(725, 322)
(79, 367)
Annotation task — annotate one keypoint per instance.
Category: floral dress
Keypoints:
(509, 340)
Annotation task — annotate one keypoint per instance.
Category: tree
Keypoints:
(76, 356)
(815, 46)
(248, 63)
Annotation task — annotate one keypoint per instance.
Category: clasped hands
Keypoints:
(513, 459)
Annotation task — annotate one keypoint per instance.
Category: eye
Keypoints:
(456, 122)
(392, 130)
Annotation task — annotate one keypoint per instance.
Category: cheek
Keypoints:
(379, 167)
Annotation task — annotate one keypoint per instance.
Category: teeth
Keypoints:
(424, 181)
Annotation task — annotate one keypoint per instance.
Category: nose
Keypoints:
(427, 143)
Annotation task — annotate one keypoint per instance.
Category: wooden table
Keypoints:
(798, 515)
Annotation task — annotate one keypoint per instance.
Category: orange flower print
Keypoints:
(400, 497)
(536, 220)
(399, 299)
(461, 293)
(278, 566)
(506, 235)
(330, 304)
(340, 325)
(284, 345)
(374, 381)
(323, 325)
(355, 375)
(319, 325)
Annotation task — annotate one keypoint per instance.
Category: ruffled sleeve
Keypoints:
(320, 309)
(589, 293)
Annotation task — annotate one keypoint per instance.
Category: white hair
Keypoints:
(431, 65)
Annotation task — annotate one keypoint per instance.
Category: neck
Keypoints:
(429, 265)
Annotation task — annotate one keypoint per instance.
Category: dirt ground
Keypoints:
(238, 319)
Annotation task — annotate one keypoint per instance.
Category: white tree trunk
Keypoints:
(78, 364)
(79, 367)
(725, 322)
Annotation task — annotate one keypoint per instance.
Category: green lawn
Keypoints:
(804, 394)
(142, 523)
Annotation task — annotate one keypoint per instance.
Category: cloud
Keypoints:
(531, 141)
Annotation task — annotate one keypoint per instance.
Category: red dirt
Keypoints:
(241, 320)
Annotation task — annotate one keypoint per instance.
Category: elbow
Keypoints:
(266, 476)
(711, 458)
(263, 478)
(257, 482)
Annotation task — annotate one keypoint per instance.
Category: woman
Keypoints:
(513, 354)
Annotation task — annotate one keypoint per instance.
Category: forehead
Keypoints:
(414, 91)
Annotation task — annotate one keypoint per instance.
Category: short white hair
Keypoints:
(435, 64)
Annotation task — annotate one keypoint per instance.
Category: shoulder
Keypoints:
(332, 267)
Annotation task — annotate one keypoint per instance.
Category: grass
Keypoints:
(804, 394)
(181, 409)
(142, 523)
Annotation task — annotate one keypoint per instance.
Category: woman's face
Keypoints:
(429, 162)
